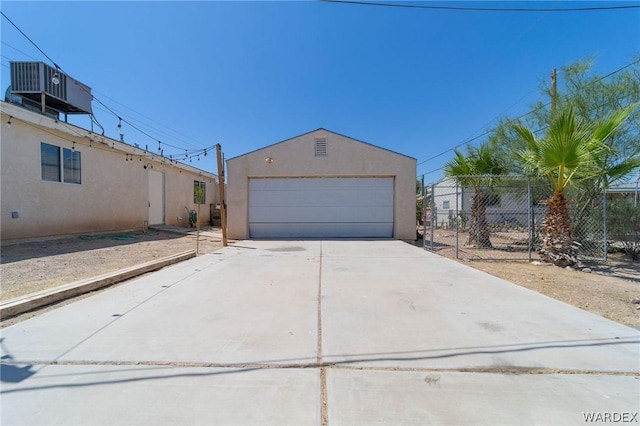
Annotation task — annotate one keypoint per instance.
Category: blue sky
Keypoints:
(249, 74)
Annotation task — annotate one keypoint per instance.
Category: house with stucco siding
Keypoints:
(60, 179)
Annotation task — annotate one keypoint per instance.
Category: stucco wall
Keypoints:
(345, 158)
(113, 194)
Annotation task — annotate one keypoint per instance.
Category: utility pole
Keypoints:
(223, 204)
(553, 92)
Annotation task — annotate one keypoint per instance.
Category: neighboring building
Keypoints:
(624, 191)
(447, 198)
(507, 204)
(321, 184)
(444, 206)
(59, 179)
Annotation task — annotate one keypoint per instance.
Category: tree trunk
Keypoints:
(479, 231)
(557, 241)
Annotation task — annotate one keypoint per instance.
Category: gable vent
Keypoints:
(321, 147)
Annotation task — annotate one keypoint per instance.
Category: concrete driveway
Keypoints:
(316, 332)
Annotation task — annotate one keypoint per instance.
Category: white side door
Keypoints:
(156, 197)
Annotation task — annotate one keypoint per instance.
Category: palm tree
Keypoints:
(571, 151)
(472, 170)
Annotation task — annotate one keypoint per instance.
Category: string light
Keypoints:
(59, 72)
(130, 156)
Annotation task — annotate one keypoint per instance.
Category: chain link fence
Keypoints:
(499, 218)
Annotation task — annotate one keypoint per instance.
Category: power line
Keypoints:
(149, 128)
(19, 51)
(113, 100)
(118, 116)
(456, 147)
(148, 118)
(120, 119)
(487, 132)
(32, 42)
(541, 129)
(481, 9)
(99, 146)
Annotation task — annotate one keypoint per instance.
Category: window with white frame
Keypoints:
(60, 165)
(446, 205)
(199, 195)
(321, 147)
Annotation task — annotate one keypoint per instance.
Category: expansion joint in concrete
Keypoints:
(324, 409)
(324, 367)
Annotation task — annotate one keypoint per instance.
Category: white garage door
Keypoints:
(321, 207)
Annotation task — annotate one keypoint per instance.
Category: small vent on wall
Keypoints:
(321, 147)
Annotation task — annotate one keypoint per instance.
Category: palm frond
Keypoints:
(621, 170)
(572, 150)
(605, 129)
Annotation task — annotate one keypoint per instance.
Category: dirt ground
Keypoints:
(29, 267)
(608, 290)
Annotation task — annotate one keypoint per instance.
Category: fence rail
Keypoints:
(499, 218)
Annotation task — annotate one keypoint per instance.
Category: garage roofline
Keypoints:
(326, 130)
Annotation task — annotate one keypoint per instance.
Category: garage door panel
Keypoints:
(297, 200)
(321, 196)
(321, 207)
(321, 230)
(327, 214)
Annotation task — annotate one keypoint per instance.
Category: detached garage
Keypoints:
(321, 185)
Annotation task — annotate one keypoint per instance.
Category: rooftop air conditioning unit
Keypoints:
(50, 88)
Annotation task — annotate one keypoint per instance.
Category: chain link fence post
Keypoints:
(604, 225)
(423, 215)
(530, 218)
(434, 216)
(457, 221)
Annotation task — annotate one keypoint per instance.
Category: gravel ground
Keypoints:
(29, 267)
